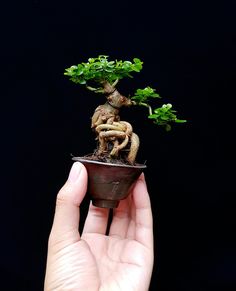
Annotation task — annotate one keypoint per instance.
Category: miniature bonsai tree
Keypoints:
(116, 139)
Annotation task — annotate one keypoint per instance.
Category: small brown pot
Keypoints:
(109, 183)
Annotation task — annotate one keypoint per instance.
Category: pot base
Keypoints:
(105, 203)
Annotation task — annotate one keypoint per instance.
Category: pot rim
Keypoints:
(83, 159)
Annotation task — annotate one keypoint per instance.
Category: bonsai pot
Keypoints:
(109, 183)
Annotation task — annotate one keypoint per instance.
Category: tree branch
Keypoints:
(115, 83)
(148, 106)
(96, 90)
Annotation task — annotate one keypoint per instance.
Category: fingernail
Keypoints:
(74, 172)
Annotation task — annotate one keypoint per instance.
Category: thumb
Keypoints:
(67, 214)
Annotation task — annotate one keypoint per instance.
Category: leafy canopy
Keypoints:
(165, 114)
(142, 95)
(100, 69)
(162, 115)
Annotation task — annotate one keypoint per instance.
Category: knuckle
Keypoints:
(51, 240)
(63, 197)
(54, 241)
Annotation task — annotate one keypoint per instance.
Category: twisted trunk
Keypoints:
(109, 128)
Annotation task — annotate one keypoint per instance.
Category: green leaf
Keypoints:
(152, 116)
(142, 95)
(82, 82)
(180, 120)
(137, 60)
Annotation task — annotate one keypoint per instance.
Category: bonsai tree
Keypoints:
(116, 140)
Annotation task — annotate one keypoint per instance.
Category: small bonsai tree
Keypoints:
(116, 139)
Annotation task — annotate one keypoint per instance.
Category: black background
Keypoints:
(188, 50)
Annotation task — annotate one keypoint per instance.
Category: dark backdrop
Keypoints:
(188, 49)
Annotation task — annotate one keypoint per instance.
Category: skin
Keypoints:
(121, 260)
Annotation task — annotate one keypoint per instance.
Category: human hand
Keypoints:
(122, 260)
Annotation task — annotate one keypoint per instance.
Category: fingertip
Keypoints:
(96, 221)
(141, 182)
(142, 177)
(76, 170)
(75, 187)
(140, 192)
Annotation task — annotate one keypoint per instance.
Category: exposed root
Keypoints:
(133, 148)
(114, 126)
(119, 134)
(119, 147)
(112, 134)
(129, 128)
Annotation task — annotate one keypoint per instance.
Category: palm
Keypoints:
(119, 262)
